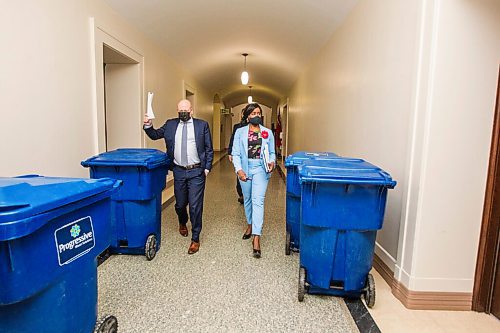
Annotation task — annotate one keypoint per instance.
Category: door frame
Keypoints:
(187, 87)
(486, 263)
(99, 37)
(285, 130)
(287, 125)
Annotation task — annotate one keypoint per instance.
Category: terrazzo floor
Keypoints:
(222, 288)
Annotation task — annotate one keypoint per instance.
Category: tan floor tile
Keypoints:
(392, 317)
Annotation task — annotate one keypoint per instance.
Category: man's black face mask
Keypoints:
(184, 115)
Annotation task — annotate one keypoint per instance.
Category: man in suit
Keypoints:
(189, 146)
(229, 151)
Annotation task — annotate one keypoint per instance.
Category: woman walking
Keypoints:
(254, 160)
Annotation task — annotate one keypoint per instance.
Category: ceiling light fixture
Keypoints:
(244, 74)
(250, 99)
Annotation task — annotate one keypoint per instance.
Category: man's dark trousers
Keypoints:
(189, 187)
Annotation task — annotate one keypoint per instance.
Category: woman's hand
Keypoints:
(270, 166)
(242, 175)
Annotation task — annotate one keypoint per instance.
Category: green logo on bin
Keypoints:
(73, 240)
(75, 231)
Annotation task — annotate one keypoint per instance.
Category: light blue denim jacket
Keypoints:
(240, 149)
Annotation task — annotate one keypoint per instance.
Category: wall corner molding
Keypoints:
(423, 300)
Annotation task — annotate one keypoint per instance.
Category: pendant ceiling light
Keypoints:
(250, 99)
(244, 74)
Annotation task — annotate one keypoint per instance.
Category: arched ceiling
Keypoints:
(207, 38)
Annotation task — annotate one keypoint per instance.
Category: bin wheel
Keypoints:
(370, 291)
(107, 324)
(287, 244)
(150, 247)
(302, 284)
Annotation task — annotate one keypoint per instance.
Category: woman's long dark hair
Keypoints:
(249, 109)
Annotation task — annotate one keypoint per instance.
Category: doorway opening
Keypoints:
(284, 133)
(190, 96)
(189, 93)
(122, 100)
(226, 130)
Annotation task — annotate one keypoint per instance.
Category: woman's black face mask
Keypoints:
(184, 115)
(255, 120)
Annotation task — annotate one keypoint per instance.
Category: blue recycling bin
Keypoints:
(342, 207)
(51, 232)
(136, 207)
(293, 195)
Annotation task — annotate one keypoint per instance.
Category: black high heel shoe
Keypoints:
(247, 236)
(256, 252)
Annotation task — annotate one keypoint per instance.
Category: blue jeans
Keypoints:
(254, 193)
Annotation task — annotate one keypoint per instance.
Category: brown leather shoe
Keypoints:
(194, 247)
(183, 230)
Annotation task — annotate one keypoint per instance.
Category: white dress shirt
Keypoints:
(192, 152)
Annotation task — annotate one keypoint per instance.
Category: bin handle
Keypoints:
(313, 194)
(139, 170)
(380, 195)
(9, 207)
(360, 181)
(316, 154)
(8, 250)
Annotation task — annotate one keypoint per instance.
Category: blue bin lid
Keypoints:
(345, 171)
(301, 156)
(27, 196)
(148, 158)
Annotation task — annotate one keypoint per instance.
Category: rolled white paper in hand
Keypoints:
(149, 112)
(266, 157)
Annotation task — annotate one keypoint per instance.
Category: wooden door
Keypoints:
(487, 283)
(495, 297)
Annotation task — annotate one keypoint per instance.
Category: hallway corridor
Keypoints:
(222, 288)
(412, 87)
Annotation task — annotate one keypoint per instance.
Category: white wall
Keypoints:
(48, 121)
(440, 246)
(236, 113)
(410, 86)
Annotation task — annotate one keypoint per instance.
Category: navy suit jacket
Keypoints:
(201, 135)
